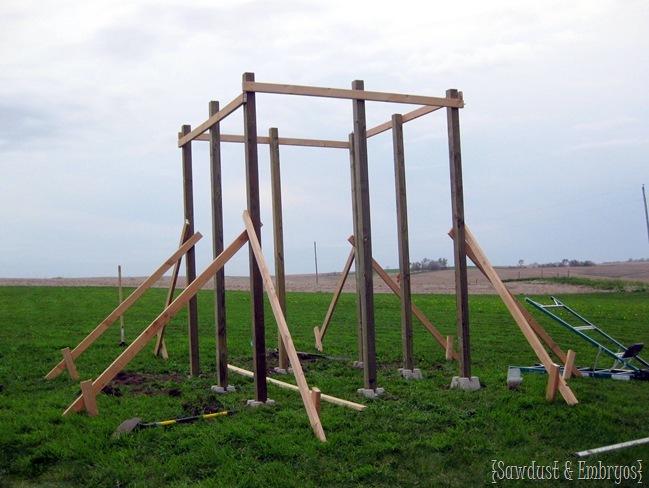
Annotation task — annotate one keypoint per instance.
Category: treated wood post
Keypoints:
(190, 260)
(256, 282)
(359, 311)
(217, 246)
(459, 244)
(402, 234)
(278, 236)
(364, 240)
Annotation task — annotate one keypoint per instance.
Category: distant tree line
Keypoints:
(565, 263)
(429, 265)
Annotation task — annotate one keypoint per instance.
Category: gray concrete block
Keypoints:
(472, 384)
(220, 390)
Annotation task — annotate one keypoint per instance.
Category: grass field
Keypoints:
(419, 434)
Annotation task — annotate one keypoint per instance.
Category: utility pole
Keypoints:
(646, 214)
(315, 254)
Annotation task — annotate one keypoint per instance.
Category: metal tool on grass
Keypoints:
(136, 423)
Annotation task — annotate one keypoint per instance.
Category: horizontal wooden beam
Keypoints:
(283, 141)
(212, 121)
(312, 91)
(289, 386)
(415, 114)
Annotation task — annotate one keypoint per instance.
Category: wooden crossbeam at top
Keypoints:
(284, 141)
(313, 91)
(212, 121)
(430, 104)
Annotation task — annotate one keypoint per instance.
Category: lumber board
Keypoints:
(353, 94)
(69, 363)
(167, 314)
(283, 141)
(212, 121)
(216, 190)
(363, 234)
(255, 245)
(553, 382)
(320, 333)
(89, 400)
(459, 244)
(449, 347)
(478, 257)
(160, 346)
(569, 365)
(289, 386)
(407, 117)
(403, 243)
(190, 258)
(278, 235)
(253, 207)
(126, 304)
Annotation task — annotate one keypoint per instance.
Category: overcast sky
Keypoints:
(555, 132)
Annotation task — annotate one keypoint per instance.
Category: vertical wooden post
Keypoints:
(459, 244)
(402, 233)
(364, 240)
(256, 283)
(217, 246)
(278, 236)
(190, 260)
(359, 312)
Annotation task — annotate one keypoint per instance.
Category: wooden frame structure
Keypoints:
(310, 397)
(357, 147)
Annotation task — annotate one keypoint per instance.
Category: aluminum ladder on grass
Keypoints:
(623, 357)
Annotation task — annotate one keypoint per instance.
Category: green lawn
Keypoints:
(419, 434)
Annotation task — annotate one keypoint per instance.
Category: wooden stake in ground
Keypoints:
(307, 398)
(121, 299)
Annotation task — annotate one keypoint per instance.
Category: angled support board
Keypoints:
(478, 257)
(69, 363)
(415, 310)
(124, 306)
(212, 121)
(143, 339)
(160, 346)
(320, 333)
(314, 418)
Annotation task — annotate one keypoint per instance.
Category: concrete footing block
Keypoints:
(283, 371)
(411, 374)
(472, 384)
(221, 391)
(255, 403)
(371, 394)
(358, 364)
(514, 378)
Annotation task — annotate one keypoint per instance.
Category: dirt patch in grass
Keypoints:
(143, 384)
